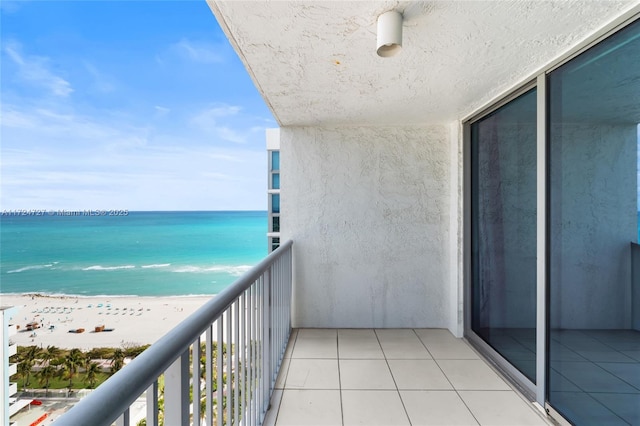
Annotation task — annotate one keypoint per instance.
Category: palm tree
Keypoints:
(24, 370)
(29, 358)
(117, 360)
(93, 368)
(49, 354)
(72, 361)
(46, 374)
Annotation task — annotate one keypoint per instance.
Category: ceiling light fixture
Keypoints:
(389, 34)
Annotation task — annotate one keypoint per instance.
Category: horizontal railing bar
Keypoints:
(109, 400)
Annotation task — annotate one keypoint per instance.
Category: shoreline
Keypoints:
(92, 296)
(135, 320)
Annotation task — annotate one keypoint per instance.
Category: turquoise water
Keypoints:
(143, 253)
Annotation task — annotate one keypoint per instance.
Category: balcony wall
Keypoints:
(369, 209)
(13, 389)
(595, 200)
(12, 349)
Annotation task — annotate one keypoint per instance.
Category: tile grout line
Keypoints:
(613, 349)
(454, 388)
(512, 388)
(423, 344)
(386, 360)
(284, 383)
(339, 376)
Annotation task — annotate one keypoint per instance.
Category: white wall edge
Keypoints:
(273, 139)
(456, 284)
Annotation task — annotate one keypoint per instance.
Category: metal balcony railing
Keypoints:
(217, 367)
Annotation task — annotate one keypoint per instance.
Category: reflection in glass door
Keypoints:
(594, 258)
(503, 228)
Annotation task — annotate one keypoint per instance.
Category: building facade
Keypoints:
(484, 180)
(8, 389)
(273, 188)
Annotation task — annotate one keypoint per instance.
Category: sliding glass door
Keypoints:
(594, 286)
(503, 224)
(553, 253)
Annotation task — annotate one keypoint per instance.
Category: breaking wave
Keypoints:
(232, 270)
(30, 268)
(107, 268)
(156, 265)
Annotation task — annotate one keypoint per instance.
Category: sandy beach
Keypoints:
(134, 320)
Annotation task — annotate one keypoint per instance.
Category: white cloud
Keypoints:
(34, 69)
(211, 114)
(17, 119)
(101, 81)
(161, 111)
(218, 176)
(230, 135)
(145, 180)
(209, 121)
(72, 161)
(202, 52)
(34, 126)
(154, 146)
(11, 6)
(224, 157)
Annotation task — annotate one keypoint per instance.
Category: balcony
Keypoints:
(391, 377)
(13, 389)
(272, 374)
(13, 369)
(12, 349)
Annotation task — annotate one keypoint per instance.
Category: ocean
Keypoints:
(140, 253)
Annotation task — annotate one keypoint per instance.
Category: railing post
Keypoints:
(220, 371)
(253, 339)
(228, 362)
(237, 347)
(176, 391)
(266, 342)
(152, 404)
(195, 382)
(243, 359)
(208, 370)
(124, 420)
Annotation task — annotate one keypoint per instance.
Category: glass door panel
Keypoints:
(594, 261)
(503, 228)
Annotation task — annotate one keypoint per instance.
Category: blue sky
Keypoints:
(126, 105)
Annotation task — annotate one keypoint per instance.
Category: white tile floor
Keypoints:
(391, 377)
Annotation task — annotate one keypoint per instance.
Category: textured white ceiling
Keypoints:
(315, 62)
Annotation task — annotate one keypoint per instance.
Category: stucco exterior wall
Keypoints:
(368, 209)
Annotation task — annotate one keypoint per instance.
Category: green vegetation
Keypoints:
(117, 361)
(92, 373)
(55, 368)
(58, 382)
(203, 397)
